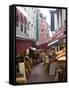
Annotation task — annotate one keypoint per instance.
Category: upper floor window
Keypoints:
(25, 29)
(21, 27)
(29, 22)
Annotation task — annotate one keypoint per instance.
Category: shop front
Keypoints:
(23, 44)
(58, 45)
(58, 41)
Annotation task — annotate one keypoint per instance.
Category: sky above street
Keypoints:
(46, 12)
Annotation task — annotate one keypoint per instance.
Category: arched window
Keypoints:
(25, 25)
(22, 27)
(17, 18)
(22, 21)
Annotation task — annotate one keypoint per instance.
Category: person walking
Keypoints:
(43, 57)
(47, 62)
(27, 65)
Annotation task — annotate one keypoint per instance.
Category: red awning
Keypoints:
(43, 46)
(22, 45)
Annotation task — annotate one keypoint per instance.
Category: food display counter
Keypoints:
(61, 55)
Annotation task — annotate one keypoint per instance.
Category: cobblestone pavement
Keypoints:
(38, 74)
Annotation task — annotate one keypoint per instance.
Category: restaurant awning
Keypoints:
(22, 45)
(43, 46)
(53, 42)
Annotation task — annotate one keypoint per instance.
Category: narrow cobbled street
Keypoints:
(38, 74)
